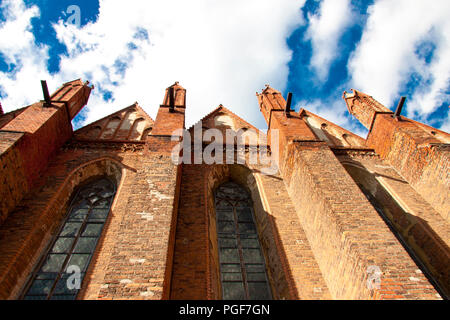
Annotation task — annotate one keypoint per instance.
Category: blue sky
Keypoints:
(225, 51)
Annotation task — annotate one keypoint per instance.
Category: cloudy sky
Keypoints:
(225, 51)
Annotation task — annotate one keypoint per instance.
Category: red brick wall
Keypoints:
(292, 270)
(133, 258)
(28, 230)
(345, 232)
(45, 129)
(425, 233)
(418, 156)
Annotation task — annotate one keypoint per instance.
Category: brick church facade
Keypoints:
(340, 218)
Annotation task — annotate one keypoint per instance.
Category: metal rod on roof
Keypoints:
(46, 93)
(287, 111)
(398, 111)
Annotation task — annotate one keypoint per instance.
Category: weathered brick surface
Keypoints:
(422, 228)
(364, 107)
(134, 248)
(30, 227)
(422, 159)
(13, 180)
(319, 234)
(301, 267)
(421, 154)
(345, 232)
(45, 129)
(290, 263)
(135, 252)
(190, 268)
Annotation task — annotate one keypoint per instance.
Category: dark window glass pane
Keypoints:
(225, 215)
(35, 297)
(250, 243)
(223, 204)
(252, 255)
(227, 227)
(258, 291)
(247, 228)
(85, 245)
(92, 230)
(227, 243)
(80, 260)
(255, 268)
(230, 267)
(62, 245)
(47, 275)
(103, 184)
(243, 203)
(70, 229)
(248, 236)
(227, 236)
(93, 199)
(106, 193)
(233, 291)
(41, 287)
(229, 255)
(102, 204)
(231, 276)
(98, 215)
(63, 297)
(53, 263)
(78, 214)
(82, 203)
(244, 214)
(256, 276)
(62, 286)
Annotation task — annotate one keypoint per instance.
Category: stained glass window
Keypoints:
(242, 267)
(56, 276)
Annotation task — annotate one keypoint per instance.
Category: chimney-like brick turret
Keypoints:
(30, 139)
(171, 113)
(364, 107)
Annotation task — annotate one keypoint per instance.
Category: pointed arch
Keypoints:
(60, 272)
(242, 267)
(53, 216)
(277, 271)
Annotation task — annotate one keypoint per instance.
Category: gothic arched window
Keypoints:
(242, 268)
(61, 271)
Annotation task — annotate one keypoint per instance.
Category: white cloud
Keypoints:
(387, 54)
(221, 52)
(18, 48)
(325, 29)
